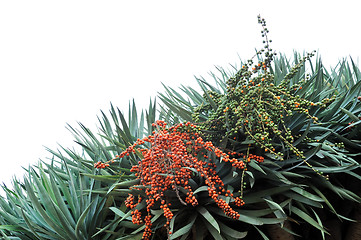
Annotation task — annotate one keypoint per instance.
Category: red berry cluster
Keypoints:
(174, 155)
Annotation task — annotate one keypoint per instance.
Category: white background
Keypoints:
(64, 61)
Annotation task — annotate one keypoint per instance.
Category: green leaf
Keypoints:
(214, 232)
(184, 230)
(81, 221)
(132, 237)
(324, 198)
(204, 212)
(250, 220)
(351, 115)
(342, 192)
(261, 233)
(127, 184)
(309, 195)
(103, 178)
(210, 100)
(30, 225)
(11, 227)
(181, 112)
(254, 165)
(65, 213)
(49, 221)
(201, 189)
(5, 236)
(307, 218)
(299, 198)
(320, 223)
(252, 180)
(259, 195)
(123, 216)
(231, 232)
(338, 169)
(274, 205)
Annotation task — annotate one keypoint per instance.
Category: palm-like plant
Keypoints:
(290, 189)
(278, 192)
(302, 185)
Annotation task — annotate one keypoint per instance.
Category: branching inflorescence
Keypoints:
(177, 154)
(254, 108)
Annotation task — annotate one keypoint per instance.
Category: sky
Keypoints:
(62, 62)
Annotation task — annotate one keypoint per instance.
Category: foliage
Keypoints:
(295, 119)
(53, 203)
(66, 198)
(273, 143)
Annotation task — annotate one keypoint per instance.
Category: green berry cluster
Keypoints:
(253, 109)
(309, 140)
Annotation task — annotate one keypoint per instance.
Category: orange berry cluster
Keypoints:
(250, 156)
(99, 164)
(174, 156)
(137, 217)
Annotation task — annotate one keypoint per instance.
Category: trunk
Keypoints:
(354, 230)
(275, 232)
